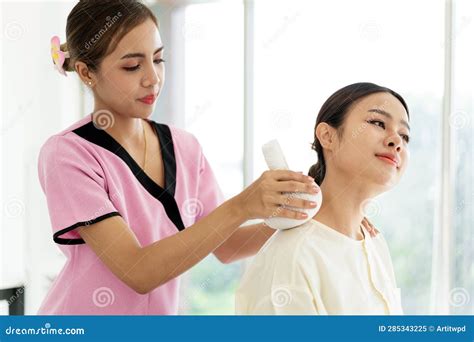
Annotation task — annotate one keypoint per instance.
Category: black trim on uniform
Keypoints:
(166, 196)
(63, 241)
(167, 152)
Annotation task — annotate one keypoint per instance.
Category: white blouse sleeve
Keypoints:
(292, 300)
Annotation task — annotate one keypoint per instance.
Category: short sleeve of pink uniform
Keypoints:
(75, 188)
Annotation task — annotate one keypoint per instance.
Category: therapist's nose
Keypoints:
(151, 77)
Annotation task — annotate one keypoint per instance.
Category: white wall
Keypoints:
(36, 102)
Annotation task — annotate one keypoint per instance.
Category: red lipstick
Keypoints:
(388, 158)
(149, 99)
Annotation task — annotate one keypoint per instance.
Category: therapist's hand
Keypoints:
(370, 227)
(265, 197)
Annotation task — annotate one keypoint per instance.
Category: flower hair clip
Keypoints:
(58, 56)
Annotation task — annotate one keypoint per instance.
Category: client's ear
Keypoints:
(326, 135)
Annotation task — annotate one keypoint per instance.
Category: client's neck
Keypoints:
(342, 205)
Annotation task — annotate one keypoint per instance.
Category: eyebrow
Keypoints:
(388, 115)
(139, 54)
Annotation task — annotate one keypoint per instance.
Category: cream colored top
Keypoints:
(315, 270)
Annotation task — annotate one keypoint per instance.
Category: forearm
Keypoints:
(245, 242)
(144, 268)
(174, 255)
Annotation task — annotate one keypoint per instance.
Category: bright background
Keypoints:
(240, 73)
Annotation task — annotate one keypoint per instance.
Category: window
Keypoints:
(462, 126)
(213, 94)
(300, 52)
(306, 50)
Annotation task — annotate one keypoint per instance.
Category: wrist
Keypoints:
(236, 209)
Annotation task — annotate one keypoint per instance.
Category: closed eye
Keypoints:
(405, 137)
(136, 67)
(377, 122)
(382, 125)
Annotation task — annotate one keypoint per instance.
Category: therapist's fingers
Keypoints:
(287, 175)
(287, 213)
(376, 231)
(291, 201)
(260, 199)
(370, 227)
(294, 186)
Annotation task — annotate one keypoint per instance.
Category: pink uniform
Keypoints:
(88, 176)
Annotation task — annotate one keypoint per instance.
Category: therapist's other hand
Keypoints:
(370, 227)
(265, 197)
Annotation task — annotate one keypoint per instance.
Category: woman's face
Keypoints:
(374, 145)
(131, 77)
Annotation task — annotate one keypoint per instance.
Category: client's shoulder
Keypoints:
(282, 258)
(289, 243)
(297, 236)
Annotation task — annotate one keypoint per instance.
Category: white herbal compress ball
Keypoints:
(276, 161)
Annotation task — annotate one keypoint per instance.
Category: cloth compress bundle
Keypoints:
(276, 161)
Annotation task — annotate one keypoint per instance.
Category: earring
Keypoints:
(89, 83)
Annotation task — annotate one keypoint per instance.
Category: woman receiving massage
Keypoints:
(331, 264)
